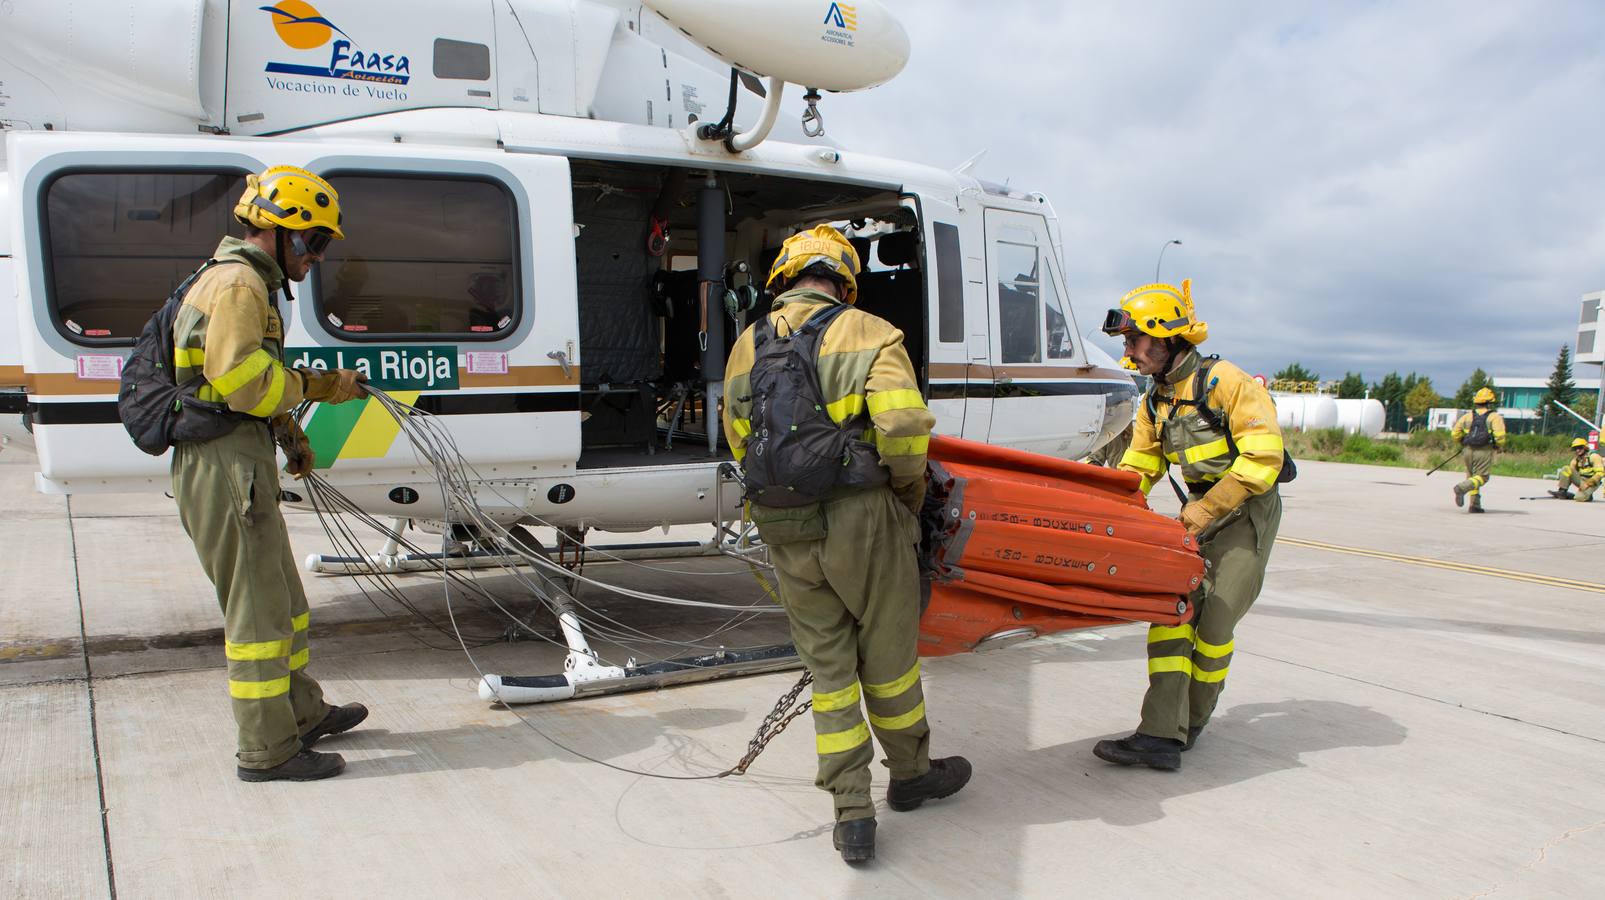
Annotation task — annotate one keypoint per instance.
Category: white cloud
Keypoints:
(1411, 186)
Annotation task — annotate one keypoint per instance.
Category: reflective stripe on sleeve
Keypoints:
(840, 741)
(275, 393)
(1254, 471)
(237, 377)
(189, 357)
(830, 701)
(299, 623)
(904, 398)
(894, 688)
(1142, 461)
(897, 723)
(1254, 443)
(257, 649)
(259, 690)
(742, 427)
(902, 446)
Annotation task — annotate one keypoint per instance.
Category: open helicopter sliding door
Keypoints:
(959, 350)
(1043, 399)
(454, 291)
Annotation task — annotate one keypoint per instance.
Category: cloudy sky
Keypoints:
(1357, 186)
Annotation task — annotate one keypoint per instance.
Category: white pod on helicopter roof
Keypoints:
(830, 46)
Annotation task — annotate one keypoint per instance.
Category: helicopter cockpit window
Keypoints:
(1019, 303)
(117, 243)
(423, 257)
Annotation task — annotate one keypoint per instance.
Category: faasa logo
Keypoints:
(301, 27)
(840, 22)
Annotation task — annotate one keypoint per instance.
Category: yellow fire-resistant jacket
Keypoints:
(862, 368)
(230, 332)
(1182, 437)
(1496, 427)
(1591, 466)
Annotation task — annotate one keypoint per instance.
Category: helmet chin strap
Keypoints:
(278, 246)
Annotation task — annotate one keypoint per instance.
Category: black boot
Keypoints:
(1141, 749)
(337, 720)
(1192, 737)
(855, 838)
(1561, 494)
(1476, 505)
(308, 765)
(946, 778)
(1460, 496)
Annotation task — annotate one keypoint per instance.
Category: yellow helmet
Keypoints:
(1484, 396)
(292, 198)
(1579, 442)
(1158, 310)
(821, 244)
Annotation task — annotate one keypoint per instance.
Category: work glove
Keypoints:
(1195, 517)
(912, 495)
(335, 386)
(297, 449)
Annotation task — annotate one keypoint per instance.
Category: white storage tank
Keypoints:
(1305, 412)
(1361, 416)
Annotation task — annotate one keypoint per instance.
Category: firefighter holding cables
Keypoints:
(1219, 425)
(824, 412)
(229, 330)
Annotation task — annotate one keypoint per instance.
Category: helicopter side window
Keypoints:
(1060, 343)
(118, 242)
(424, 257)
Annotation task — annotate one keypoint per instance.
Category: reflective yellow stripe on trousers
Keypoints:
(841, 741)
(259, 690)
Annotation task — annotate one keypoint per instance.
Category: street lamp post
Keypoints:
(1161, 259)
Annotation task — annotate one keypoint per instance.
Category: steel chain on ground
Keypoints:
(774, 723)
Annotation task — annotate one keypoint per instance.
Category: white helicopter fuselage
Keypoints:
(500, 174)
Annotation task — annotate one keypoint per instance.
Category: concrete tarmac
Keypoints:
(1416, 709)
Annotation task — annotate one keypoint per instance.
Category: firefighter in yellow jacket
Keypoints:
(1584, 472)
(1480, 432)
(230, 331)
(848, 576)
(1219, 425)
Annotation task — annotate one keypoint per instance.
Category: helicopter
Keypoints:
(559, 215)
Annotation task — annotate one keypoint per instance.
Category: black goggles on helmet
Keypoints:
(312, 242)
(1117, 322)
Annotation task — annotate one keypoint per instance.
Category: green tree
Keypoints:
(1390, 390)
(1469, 388)
(1421, 398)
(1561, 390)
(1352, 387)
(1296, 372)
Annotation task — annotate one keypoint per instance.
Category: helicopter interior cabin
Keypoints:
(643, 327)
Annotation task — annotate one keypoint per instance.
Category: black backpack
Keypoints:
(1478, 434)
(157, 412)
(797, 453)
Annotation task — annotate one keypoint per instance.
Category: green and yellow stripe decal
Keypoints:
(354, 430)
